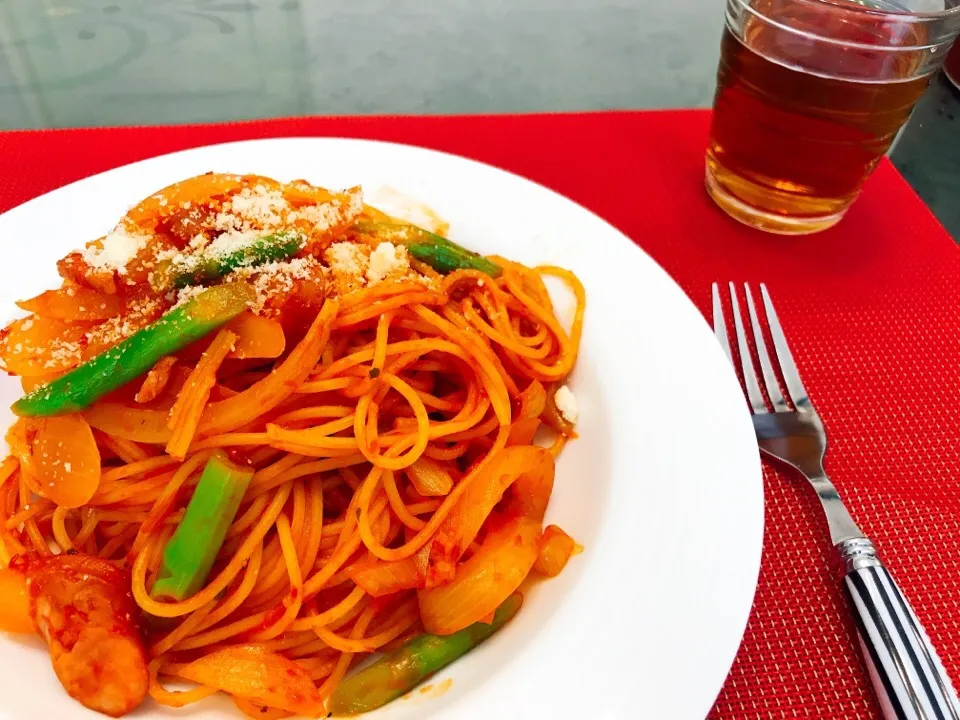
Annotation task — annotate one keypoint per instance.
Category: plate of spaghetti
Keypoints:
(326, 428)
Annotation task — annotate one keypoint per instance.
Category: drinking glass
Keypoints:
(810, 95)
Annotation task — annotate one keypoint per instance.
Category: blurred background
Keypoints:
(77, 63)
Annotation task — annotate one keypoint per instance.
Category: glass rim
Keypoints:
(826, 38)
(854, 7)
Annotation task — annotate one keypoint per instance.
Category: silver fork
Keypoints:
(906, 672)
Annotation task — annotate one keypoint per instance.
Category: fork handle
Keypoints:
(906, 672)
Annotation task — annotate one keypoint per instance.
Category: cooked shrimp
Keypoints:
(82, 606)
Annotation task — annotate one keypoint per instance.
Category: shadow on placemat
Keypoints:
(928, 152)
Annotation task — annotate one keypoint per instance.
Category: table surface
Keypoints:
(66, 63)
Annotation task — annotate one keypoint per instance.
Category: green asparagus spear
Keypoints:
(438, 252)
(190, 553)
(205, 266)
(99, 375)
(399, 672)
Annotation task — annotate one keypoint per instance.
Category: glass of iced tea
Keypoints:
(810, 95)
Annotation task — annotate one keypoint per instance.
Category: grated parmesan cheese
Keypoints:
(226, 220)
(259, 206)
(331, 214)
(346, 258)
(118, 328)
(118, 248)
(321, 217)
(387, 259)
(231, 241)
(168, 254)
(355, 204)
(188, 293)
(567, 404)
(277, 278)
(62, 352)
(295, 269)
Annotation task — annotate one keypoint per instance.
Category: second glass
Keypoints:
(810, 95)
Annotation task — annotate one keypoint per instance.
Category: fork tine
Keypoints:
(766, 367)
(791, 376)
(719, 325)
(754, 394)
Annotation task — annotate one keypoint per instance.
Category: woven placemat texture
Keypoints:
(872, 309)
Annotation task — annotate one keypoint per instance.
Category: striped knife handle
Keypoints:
(906, 672)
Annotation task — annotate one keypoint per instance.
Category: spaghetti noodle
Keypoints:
(378, 415)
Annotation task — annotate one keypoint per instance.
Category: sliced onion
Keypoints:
(66, 459)
(259, 675)
(484, 581)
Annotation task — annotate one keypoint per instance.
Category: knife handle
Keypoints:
(908, 677)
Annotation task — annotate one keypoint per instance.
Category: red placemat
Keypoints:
(872, 308)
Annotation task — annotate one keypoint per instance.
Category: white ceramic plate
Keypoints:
(663, 488)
